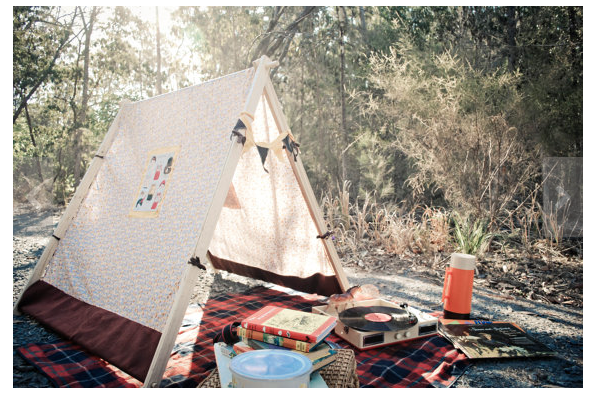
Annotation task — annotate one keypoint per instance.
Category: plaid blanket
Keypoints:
(429, 362)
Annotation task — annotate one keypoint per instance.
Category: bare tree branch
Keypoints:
(275, 39)
(45, 74)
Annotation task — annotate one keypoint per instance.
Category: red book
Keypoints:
(276, 340)
(289, 323)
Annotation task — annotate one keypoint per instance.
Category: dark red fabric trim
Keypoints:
(124, 343)
(315, 284)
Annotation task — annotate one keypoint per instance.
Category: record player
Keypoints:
(374, 323)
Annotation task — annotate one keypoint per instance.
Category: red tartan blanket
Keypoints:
(429, 362)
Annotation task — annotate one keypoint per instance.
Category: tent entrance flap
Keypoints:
(265, 229)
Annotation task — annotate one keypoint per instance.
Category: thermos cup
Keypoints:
(458, 286)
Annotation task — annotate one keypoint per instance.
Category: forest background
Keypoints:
(423, 129)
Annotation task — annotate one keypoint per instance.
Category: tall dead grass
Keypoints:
(361, 223)
(394, 228)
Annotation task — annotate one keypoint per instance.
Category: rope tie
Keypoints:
(291, 145)
(239, 126)
(241, 137)
(195, 261)
(325, 235)
(296, 149)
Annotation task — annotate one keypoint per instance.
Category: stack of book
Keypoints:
(275, 327)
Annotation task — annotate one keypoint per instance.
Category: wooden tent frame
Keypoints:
(261, 85)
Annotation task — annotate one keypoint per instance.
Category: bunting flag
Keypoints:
(285, 140)
(287, 143)
(246, 119)
(231, 201)
(236, 131)
(291, 145)
(263, 152)
(239, 125)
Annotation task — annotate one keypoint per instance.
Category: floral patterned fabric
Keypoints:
(272, 229)
(129, 260)
(133, 266)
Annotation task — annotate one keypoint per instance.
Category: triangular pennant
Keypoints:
(240, 125)
(287, 143)
(263, 152)
(231, 201)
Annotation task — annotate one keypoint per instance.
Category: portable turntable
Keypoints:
(374, 323)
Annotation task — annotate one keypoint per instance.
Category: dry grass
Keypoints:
(429, 231)
(524, 258)
(389, 226)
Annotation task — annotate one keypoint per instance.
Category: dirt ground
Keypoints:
(551, 315)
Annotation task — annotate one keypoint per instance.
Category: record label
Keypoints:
(377, 318)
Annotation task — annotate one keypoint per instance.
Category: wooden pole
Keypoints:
(180, 304)
(74, 204)
(306, 188)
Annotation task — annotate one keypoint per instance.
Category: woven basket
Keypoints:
(339, 374)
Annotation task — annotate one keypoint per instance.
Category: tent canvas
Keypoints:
(179, 178)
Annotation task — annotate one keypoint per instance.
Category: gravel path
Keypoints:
(559, 327)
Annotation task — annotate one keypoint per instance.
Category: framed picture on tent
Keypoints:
(155, 181)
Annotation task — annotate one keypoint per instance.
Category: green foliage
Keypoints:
(374, 159)
(458, 126)
(470, 236)
(445, 105)
(48, 45)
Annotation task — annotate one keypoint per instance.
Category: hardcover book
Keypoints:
(276, 340)
(482, 339)
(289, 323)
(321, 351)
(323, 355)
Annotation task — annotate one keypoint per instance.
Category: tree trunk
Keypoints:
(36, 156)
(46, 73)
(82, 115)
(460, 24)
(344, 128)
(511, 39)
(269, 46)
(362, 17)
(159, 82)
(573, 22)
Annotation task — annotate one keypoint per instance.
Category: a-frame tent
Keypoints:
(209, 173)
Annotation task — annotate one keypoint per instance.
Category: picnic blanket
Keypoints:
(428, 362)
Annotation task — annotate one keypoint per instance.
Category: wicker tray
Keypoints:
(339, 374)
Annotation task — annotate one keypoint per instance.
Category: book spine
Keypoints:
(240, 348)
(279, 332)
(274, 339)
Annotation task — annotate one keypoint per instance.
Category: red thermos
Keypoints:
(458, 286)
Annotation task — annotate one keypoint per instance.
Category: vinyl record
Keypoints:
(377, 318)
